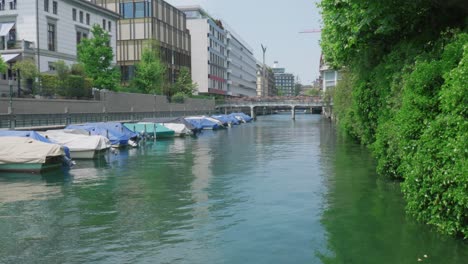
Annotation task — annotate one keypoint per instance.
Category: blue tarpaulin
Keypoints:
(115, 132)
(202, 122)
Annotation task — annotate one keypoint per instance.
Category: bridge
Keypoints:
(292, 103)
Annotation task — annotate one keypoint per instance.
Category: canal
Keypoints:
(274, 191)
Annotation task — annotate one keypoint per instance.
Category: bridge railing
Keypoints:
(270, 100)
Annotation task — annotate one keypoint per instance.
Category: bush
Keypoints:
(178, 98)
(49, 84)
(75, 86)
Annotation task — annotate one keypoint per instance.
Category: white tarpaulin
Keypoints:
(77, 142)
(179, 129)
(26, 150)
(9, 57)
(5, 28)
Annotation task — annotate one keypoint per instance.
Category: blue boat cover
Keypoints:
(223, 119)
(202, 123)
(115, 132)
(243, 116)
(31, 134)
(231, 119)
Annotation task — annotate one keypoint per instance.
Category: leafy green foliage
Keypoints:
(96, 56)
(150, 72)
(178, 97)
(184, 83)
(405, 95)
(3, 66)
(49, 84)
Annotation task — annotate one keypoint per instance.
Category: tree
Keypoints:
(28, 72)
(150, 72)
(3, 66)
(184, 83)
(95, 54)
(297, 89)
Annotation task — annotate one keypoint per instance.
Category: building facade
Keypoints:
(46, 31)
(265, 81)
(328, 76)
(284, 82)
(241, 66)
(144, 22)
(209, 56)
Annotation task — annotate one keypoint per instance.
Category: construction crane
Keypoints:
(308, 31)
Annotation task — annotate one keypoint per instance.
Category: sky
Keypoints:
(275, 24)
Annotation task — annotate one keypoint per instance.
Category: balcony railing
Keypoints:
(18, 45)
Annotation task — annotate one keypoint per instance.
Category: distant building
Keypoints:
(328, 76)
(284, 82)
(209, 56)
(47, 31)
(143, 21)
(241, 66)
(265, 81)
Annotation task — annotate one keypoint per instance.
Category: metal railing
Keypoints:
(38, 121)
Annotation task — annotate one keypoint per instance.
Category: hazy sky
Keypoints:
(276, 24)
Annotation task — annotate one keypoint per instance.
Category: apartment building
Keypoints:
(209, 51)
(284, 82)
(145, 21)
(241, 66)
(265, 81)
(47, 31)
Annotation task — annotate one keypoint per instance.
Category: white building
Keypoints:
(329, 76)
(241, 66)
(48, 30)
(209, 60)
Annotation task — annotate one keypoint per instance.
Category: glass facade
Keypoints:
(136, 9)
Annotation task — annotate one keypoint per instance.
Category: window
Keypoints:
(51, 33)
(2, 4)
(51, 65)
(13, 4)
(88, 19)
(109, 26)
(81, 16)
(78, 38)
(74, 14)
(137, 9)
(104, 24)
(46, 5)
(54, 7)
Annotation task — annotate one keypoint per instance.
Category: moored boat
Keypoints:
(81, 145)
(23, 154)
(148, 129)
(205, 122)
(118, 134)
(175, 124)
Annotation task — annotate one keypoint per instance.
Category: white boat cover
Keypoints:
(179, 129)
(26, 150)
(77, 141)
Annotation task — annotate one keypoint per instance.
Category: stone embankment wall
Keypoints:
(110, 102)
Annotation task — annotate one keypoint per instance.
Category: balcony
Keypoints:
(17, 45)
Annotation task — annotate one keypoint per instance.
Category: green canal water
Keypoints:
(274, 191)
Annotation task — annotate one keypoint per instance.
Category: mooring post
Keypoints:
(293, 112)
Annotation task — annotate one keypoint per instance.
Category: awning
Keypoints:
(9, 57)
(5, 28)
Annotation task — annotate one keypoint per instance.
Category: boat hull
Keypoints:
(52, 163)
(86, 154)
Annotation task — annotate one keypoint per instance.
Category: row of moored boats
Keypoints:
(35, 151)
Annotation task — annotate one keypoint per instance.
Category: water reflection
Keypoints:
(365, 217)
